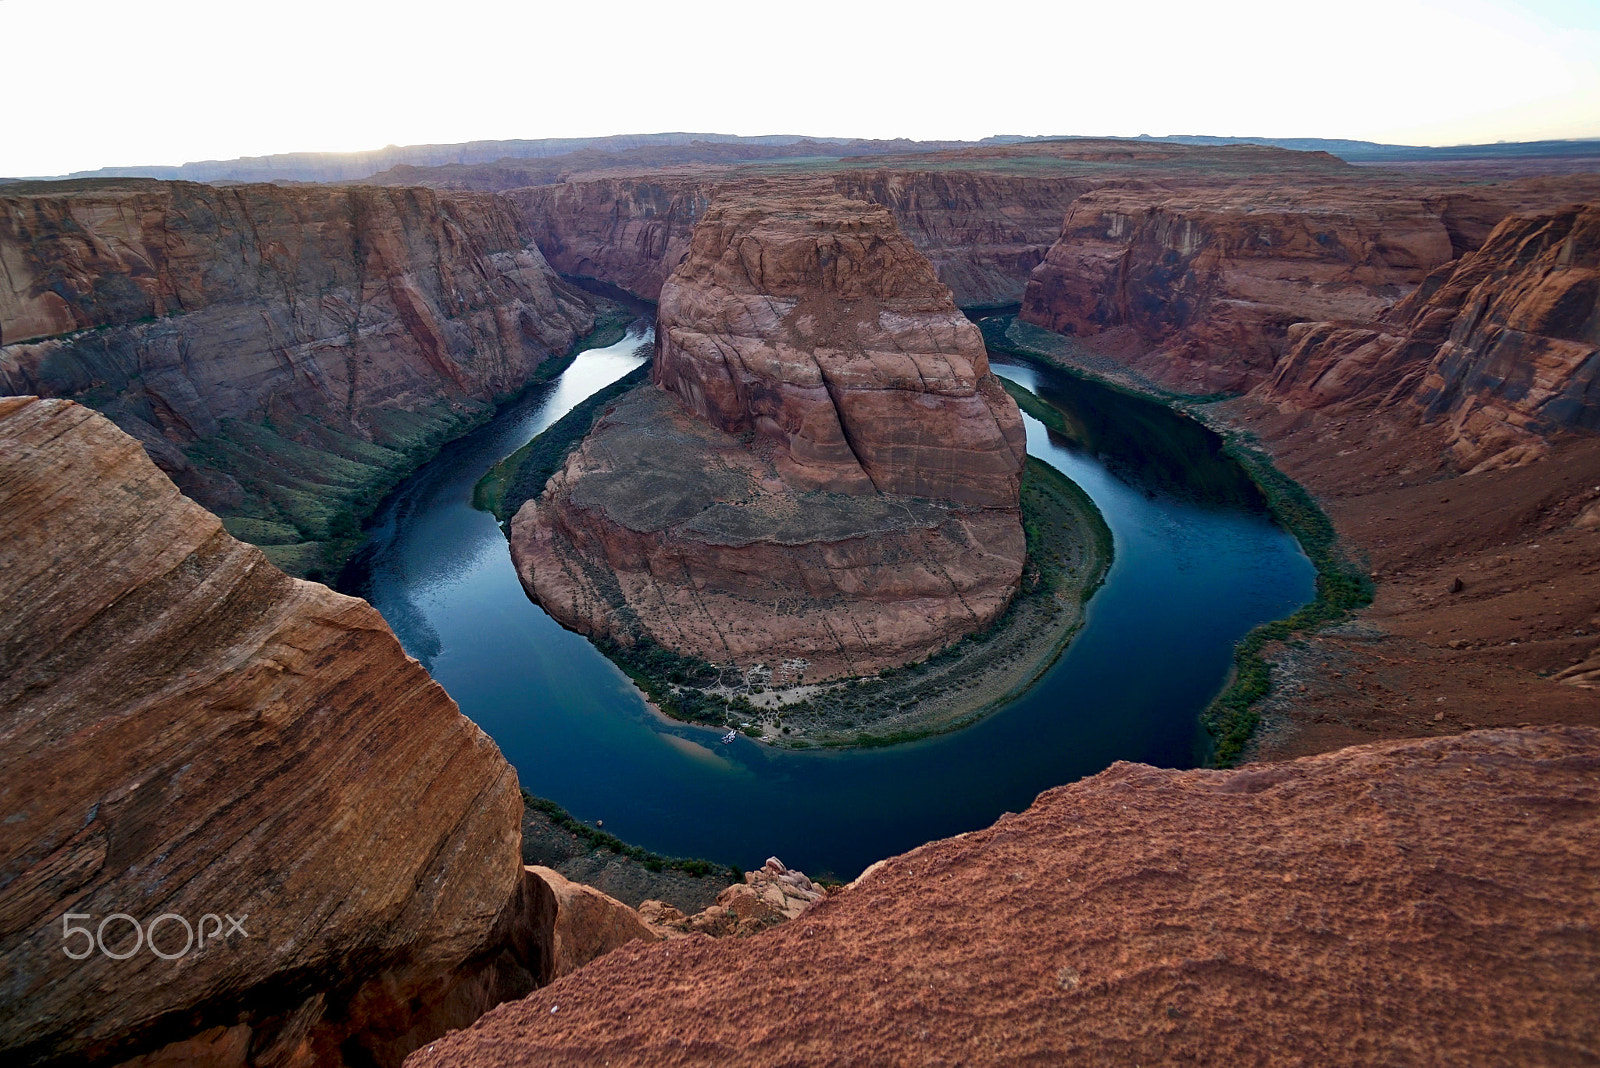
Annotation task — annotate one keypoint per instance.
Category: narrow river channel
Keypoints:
(1198, 563)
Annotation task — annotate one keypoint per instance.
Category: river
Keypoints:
(1198, 563)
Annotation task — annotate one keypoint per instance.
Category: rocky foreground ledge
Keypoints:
(1421, 902)
(321, 852)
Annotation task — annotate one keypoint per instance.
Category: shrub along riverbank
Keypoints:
(512, 482)
(1342, 583)
(305, 487)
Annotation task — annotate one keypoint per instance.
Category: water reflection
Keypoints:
(1198, 564)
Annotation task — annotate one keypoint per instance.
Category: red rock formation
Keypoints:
(629, 232)
(1209, 280)
(362, 324)
(843, 490)
(983, 233)
(1503, 345)
(816, 325)
(1416, 902)
(184, 729)
(578, 923)
(662, 527)
(771, 895)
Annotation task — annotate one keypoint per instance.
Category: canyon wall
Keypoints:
(1501, 346)
(1206, 282)
(827, 476)
(1199, 284)
(629, 232)
(186, 730)
(281, 352)
(983, 233)
(1427, 901)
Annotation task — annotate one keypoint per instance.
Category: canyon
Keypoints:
(825, 475)
(285, 355)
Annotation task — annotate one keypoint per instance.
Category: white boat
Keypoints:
(730, 736)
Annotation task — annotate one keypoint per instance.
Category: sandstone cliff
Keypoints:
(1209, 280)
(983, 233)
(628, 232)
(1197, 281)
(186, 732)
(831, 478)
(1420, 902)
(1502, 346)
(281, 352)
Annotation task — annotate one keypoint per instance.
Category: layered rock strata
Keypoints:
(1208, 281)
(815, 325)
(1197, 281)
(983, 233)
(828, 475)
(1501, 346)
(187, 732)
(281, 352)
(1416, 902)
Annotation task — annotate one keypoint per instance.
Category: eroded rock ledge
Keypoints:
(1416, 902)
(826, 480)
(1501, 347)
(186, 730)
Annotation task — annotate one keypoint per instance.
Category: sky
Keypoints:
(92, 83)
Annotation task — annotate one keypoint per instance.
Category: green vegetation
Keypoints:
(522, 475)
(1342, 588)
(308, 486)
(1069, 551)
(1342, 585)
(599, 839)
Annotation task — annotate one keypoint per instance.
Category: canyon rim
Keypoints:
(362, 514)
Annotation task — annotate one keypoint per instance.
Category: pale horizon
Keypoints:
(176, 81)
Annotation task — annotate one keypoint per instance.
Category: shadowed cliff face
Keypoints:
(982, 233)
(1416, 902)
(831, 478)
(184, 729)
(1501, 346)
(282, 352)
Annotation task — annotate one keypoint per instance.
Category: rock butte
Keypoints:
(1382, 904)
(184, 729)
(825, 482)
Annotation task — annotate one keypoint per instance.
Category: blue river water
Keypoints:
(1198, 563)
